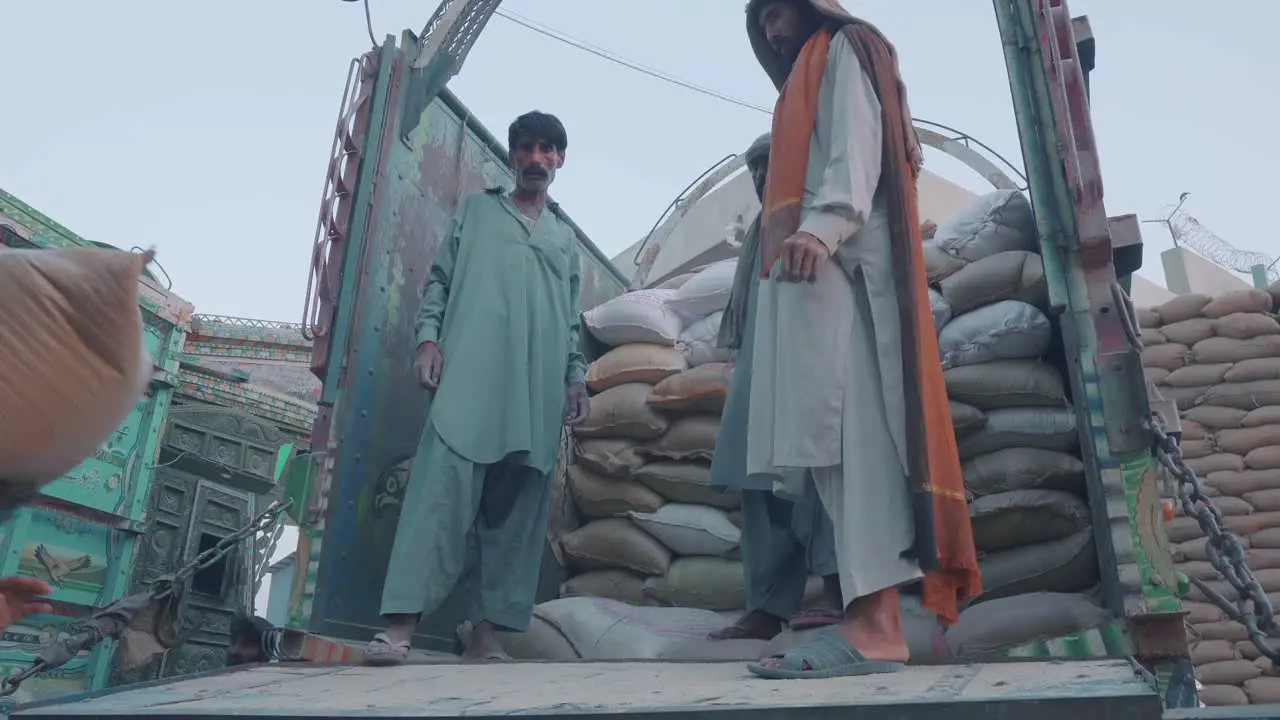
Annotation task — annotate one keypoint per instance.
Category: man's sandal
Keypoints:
(826, 655)
(382, 652)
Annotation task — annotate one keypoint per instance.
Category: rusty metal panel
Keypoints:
(378, 410)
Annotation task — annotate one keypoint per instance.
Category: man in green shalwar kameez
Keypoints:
(498, 345)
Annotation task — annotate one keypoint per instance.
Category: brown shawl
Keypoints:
(944, 538)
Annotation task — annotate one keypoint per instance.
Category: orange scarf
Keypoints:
(944, 537)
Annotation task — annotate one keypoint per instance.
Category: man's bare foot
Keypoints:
(755, 625)
(483, 644)
(872, 624)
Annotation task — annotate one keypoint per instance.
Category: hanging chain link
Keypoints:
(1222, 548)
(165, 587)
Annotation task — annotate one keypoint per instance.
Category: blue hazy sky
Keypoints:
(203, 128)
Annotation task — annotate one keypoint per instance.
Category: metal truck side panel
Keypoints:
(413, 179)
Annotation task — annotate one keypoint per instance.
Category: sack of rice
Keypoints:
(1043, 428)
(635, 363)
(1217, 418)
(1006, 384)
(1197, 376)
(1188, 332)
(622, 585)
(1182, 307)
(615, 543)
(1007, 330)
(966, 419)
(706, 292)
(1169, 356)
(701, 389)
(600, 496)
(1243, 326)
(1239, 301)
(1068, 565)
(1231, 350)
(985, 630)
(999, 221)
(698, 341)
(72, 363)
(1012, 275)
(1243, 396)
(623, 411)
(688, 438)
(940, 309)
(1269, 415)
(615, 457)
(1023, 469)
(690, 529)
(1253, 370)
(641, 316)
(686, 482)
(1025, 517)
(708, 583)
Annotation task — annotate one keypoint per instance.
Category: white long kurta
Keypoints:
(827, 386)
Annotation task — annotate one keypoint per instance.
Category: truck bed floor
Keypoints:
(1103, 690)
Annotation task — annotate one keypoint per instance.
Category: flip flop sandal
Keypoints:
(809, 619)
(827, 655)
(381, 652)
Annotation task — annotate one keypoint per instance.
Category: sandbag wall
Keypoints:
(1219, 360)
(654, 532)
(1015, 427)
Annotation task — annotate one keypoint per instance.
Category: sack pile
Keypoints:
(1015, 428)
(656, 533)
(1219, 360)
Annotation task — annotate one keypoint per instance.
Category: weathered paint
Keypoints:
(413, 178)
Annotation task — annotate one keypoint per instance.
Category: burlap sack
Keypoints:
(1152, 336)
(1230, 350)
(1192, 430)
(1023, 469)
(1254, 369)
(700, 389)
(1244, 396)
(1212, 651)
(1011, 275)
(623, 412)
(686, 482)
(1044, 428)
(600, 496)
(1195, 550)
(615, 543)
(1240, 301)
(1006, 384)
(1154, 375)
(1195, 449)
(1263, 458)
(966, 419)
(1269, 415)
(635, 363)
(1268, 539)
(1216, 418)
(1227, 505)
(1198, 612)
(1232, 631)
(1222, 696)
(1229, 672)
(1243, 326)
(1197, 376)
(984, 630)
(1184, 397)
(1148, 318)
(938, 265)
(1188, 332)
(708, 583)
(1182, 307)
(676, 282)
(1025, 517)
(1245, 440)
(615, 457)
(1263, 690)
(1067, 565)
(689, 438)
(72, 363)
(1169, 356)
(1264, 500)
(1217, 462)
(621, 585)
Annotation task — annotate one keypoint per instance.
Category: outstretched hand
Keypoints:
(429, 364)
(21, 597)
(803, 256)
(576, 404)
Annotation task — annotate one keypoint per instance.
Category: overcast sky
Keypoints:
(203, 128)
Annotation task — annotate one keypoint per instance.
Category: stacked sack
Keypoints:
(1219, 360)
(1015, 428)
(656, 532)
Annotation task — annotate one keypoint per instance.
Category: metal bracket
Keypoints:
(1158, 636)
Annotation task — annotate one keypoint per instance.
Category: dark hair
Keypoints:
(538, 126)
(248, 627)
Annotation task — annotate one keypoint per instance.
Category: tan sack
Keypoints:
(635, 363)
(1239, 301)
(689, 438)
(600, 496)
(699, 389)
(1182, 307)
(623, 412)
(615, 543)
(1010, 275)
(615, 457)
(687, 482)
(72, 363)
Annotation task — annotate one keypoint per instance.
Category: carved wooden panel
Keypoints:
(233, 446)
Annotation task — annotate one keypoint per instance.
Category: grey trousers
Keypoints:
(783, 543)
(478, 528)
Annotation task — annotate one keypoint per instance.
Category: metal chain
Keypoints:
(164, 588)
(1222, 548)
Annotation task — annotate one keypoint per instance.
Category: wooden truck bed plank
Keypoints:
(1105, 689)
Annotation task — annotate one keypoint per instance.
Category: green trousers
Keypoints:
(478, 528)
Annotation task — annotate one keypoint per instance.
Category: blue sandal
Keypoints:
(827, 655)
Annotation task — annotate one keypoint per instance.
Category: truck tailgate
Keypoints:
(1098, 690)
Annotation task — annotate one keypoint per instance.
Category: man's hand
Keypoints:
(21, 597)
(728, 367)
(576, 404)
(803, 256)
(429, 363)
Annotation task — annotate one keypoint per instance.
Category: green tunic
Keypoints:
(502, 304)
